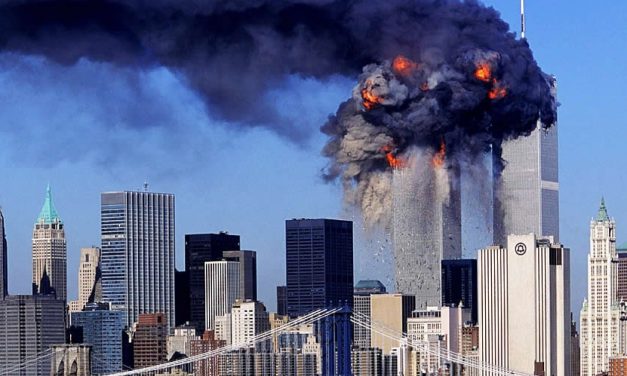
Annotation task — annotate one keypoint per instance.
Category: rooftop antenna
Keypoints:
(145, 186)
(522, 19)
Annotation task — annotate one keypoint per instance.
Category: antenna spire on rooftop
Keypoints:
(522, 19)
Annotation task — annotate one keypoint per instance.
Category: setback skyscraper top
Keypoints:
(49, 252)
(137, 253)
(319, 264)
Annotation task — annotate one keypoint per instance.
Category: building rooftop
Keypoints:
(48, 212)
(370, 285)
(602, 215)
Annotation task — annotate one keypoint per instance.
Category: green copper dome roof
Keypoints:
(602, 216)
(48, 213)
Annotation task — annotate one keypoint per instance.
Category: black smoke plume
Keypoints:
(233, 52)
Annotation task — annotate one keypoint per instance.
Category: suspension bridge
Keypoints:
(445, 359)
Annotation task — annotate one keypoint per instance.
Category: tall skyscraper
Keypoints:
(361, 304)
(281, 300)
(49, 252)
(391, 311)
(524, 306)
(29, 325)
(526, 196)
(319, 264)
(222, 289)
(4, 287)
(102, 329)
(621, 287)
(600, 315)
(137, 253)
(426, 228)
(201, 248)
(459, 284)
(87, 268)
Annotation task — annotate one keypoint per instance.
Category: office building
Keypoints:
(361, 305)
(49, 252)
(4, 276)
(201, 248)
(319, 264)
(441, 327)
(281, 300)
(621, 272)
(618, 365)
(181, 303)
(366, 361)
(87, 271)
(600, 314)
(426, 220)
(248, 272)
(29, 325)
(102, 329)
(526, 196)
(150, 340)
(208, 342)
(179, 343)
(575, 354)
(459, 284)
(248, 319)
(71, 360)
(137, 253)
(390, 311)
(524, 305)
(222, 289)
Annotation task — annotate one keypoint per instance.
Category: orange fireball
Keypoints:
(403, 65)
(394, 161)
(483, 72)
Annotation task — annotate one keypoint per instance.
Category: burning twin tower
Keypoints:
(413, 125)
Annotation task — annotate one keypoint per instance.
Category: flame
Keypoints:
(394, 161)
(440, 155)
(403, 65)
(497, 91)
(483, 72)
(370, 98)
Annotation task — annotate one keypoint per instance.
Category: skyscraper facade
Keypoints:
(526, 192)
(29, 325)
(222, 289)
(459, 284)
(524, 306)
(248, 272)
(249, 318)
(49, 252)
(621, 271)
(150, 340)
(361, 304)
(600, 314)
(319, 264)
(4, 287)
(281, 300)
(426, 223)
(89, 263)
(137, 253)
(201, 248)
(102, 329)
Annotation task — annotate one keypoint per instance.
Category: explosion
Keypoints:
(483, 72)
(393, 161)
(403, 65)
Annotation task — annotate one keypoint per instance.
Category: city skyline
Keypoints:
(577, 200)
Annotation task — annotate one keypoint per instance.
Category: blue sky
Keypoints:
(71, 126)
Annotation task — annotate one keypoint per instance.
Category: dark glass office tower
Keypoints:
(281, 300)
(459, 284)
(247, 272)
(201, 248)
(319, 264)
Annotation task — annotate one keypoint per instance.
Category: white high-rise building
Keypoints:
(49, 252)
(248, 319)
(524, 305)
(222, 289)
(600, 314)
